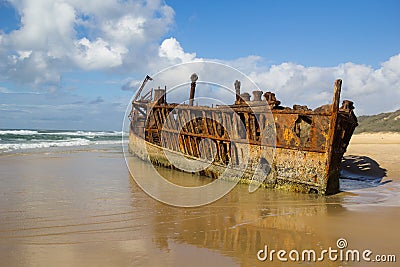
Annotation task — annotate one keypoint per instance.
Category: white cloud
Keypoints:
(126, 29)
(98, 54)
(372, 90)
(171, 49)
(45, 25)
(91, 35)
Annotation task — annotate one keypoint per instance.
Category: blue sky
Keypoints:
(71, 64)
(311, 33)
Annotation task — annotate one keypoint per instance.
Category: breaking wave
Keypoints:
(15, 140)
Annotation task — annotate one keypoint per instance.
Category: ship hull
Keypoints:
(295, 149)
(292, 170)
(286, 173)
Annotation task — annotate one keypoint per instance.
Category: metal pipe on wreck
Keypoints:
(237, 91)
(193, 78)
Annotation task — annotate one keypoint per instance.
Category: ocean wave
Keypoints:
(83, 133)
(18, 132)
(76, 142)
(62, 133)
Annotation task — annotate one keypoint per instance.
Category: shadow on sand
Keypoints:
(358, 172)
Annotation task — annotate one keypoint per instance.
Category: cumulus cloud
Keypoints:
(172, 50)
(373, 90)
(98, 54)
(56, 36)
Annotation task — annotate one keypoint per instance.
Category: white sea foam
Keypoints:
(50, 139)
(18, 132)
(83, 133)
(69, 133)
(48, 144)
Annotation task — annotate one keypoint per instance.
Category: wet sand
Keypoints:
(82, 208)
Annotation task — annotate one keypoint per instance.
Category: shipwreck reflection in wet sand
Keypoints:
(240, 223)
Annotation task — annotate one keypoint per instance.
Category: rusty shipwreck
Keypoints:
(308, 144)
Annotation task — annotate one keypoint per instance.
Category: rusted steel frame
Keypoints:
(219, 123)
(178, 119)
(189, 119)
(241, 109)
(181, 144)
(252, 124)
(228, 122)
(248, 109)
(228, 151)
(168, 124)
(222, 125)
(197, 122)
(170, 140)
(152, 121)
(157, 118)
(308, 112)
(182, 127)
(259, 117)
(244, 141)
(137, 107)
(204, 119)
(146, 96)
(333, 122)
(196, 146)
(166, 121)
(192, 145)
(192, 139)
(168, 143)
(247, 124)
(209, 125)
(141, 87)
(214, 124)
(235, 127)
(177, 144)
(161, 117)
(181, 117)
(189, 145)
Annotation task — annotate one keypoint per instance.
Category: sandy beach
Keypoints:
(82, 208)
(384, 148)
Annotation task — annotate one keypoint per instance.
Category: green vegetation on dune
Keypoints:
(383, 122)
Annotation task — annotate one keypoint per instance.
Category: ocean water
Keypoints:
(22, 140)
